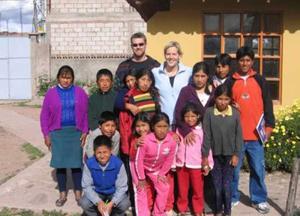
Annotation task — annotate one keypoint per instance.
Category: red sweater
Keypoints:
(247, 95)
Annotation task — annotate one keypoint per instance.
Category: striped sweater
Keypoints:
(144, 101)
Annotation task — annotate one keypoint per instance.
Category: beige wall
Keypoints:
(183, 23)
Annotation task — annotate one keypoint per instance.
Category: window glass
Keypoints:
(252, 42)
(274, 89)
(232, 23)
(231, 44)
(271, 46)
(272, 23)
(212, 23)
(251, 23)
(271, 68)
(212, 45)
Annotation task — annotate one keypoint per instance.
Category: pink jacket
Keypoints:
(155, 156)
(190, 156)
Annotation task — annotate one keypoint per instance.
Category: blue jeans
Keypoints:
(256, 159)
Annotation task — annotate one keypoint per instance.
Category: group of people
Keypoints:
(155, 130)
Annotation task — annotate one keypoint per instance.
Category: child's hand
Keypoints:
(101, 207)
(205, 170)
(141, 185)
(189, 139)
(176, 138)
(48, 142)
(140, 142)
(132, 108)
(109, 207)
(234, 160)
(163, 179)
(83, 139)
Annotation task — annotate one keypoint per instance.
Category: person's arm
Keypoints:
(268, 108)
(120, 101)
(139, 162)
(239, 142)
(85, 104)
(44, 116)
(170, 159)
(207, 135)
(92, 118)
(116, 143)
(88, 186)
(183, 128)
(121, 186)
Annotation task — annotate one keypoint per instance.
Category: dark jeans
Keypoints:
(61, 175)
(222, 175)
(91, 210)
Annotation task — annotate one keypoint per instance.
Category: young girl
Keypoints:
(222, 67)
(153, 160)
(188, 163)
(223, 134)
(140, 128)
(142, 97)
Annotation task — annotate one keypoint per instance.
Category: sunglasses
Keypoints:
(138, 44)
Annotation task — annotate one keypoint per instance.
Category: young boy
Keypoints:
(222, 66)
(251, 96)
(104, 182)
(107, 125)
(103, 99)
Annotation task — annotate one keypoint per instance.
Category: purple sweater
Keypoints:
(189, 94)
(50, 117)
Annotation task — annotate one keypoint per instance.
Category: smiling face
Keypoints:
(65, 80)
(108, 128)
(142, 128)
(172, 57)
(138, 46)
(245, 64)
(200, 79)
(191, 119)
(102, 154)
(144, 83)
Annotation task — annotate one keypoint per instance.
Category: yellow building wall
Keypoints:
(183, 23)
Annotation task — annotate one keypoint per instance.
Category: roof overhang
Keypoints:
(147, 8)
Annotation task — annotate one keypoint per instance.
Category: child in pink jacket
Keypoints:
(188, 163)
(153, 160)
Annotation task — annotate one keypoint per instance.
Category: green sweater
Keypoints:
(223, 135)
(98, 103)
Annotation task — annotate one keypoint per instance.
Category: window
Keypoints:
(226, 32)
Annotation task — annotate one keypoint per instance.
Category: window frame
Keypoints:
(260, 35)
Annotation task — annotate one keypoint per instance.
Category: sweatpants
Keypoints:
(222, 175)
(190, 178)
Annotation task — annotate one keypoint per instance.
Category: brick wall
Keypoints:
(92, 27)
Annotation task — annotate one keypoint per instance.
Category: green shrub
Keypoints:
(284, 144)
(45, 83)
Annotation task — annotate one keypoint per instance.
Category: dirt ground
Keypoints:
(13, 158)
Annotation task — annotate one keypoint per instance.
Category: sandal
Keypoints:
(60, 202)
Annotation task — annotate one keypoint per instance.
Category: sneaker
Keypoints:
(262, 208)
(170, 213)
(234, 203)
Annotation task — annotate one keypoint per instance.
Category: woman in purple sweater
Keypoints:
(64, 124)
(199, 92)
